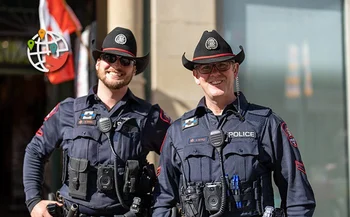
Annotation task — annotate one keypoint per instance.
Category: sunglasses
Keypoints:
(208, 68)
(111, 58)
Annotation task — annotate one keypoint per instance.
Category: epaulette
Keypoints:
(142, 107)
(80, 103)
(188, 114)
(67, 100)
(259, 110)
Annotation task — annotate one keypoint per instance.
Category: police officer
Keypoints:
(105, 137)
(217, 160)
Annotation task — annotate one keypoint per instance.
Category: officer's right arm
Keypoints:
(37, 153)
(166, 191)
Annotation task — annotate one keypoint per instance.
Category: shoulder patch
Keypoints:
(190, 122)
(164, 116)
(300, 166)
(289, 135)
(158, 170)
(52, 112)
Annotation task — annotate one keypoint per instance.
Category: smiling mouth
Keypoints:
(216, 82)
(114, 73)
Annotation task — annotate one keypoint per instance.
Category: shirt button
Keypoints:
(240, 150)
(84, 133)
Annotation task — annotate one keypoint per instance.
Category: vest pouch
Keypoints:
(192, 202)
(78, 177)
(64, 165)
(250, 199)
(148, 180)
(131, 176)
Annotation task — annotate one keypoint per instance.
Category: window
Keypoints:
(294, 64)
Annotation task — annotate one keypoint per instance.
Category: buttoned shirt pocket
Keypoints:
(241, 158)
(198, 162)
(85, 144)
(127, 139)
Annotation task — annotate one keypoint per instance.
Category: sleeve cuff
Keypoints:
(32, 202)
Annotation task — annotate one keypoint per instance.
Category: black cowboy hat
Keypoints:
(212, 48)
(122, 42)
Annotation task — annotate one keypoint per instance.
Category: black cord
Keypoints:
(182, 163)
(223, 189)
(120, 198)
(217, 139)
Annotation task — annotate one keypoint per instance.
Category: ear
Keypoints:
(235, 69)
(194, 73)
(97, 65)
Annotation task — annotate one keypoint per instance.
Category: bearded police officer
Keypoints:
(105, 137)
(217, 160)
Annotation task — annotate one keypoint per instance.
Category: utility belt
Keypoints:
(200, 199)
(136, 179)
(74, 211)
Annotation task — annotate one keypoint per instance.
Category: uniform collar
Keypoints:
(243, 104)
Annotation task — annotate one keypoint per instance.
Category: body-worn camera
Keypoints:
(212, 196)
(105, 180)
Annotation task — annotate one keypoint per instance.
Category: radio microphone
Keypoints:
(104, 125)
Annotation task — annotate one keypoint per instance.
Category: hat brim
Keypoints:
(141, 62)
(188, 64)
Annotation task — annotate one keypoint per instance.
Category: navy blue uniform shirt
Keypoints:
(72, 125)
(258, 145)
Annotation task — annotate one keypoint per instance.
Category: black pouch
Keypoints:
(131, 176)
(148, 179)
(192, 202)
(78, 177)
(65, 165)
(248, 198)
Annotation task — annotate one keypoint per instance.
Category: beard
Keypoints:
(114, 84)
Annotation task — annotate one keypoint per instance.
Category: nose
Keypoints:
(115, 64)
(215, 71)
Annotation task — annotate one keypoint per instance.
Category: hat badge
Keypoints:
(211, 43)
(120, 39)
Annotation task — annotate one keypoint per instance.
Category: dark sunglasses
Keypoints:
(208, 68)
(111, 58)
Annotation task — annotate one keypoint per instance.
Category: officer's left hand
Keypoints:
(40, 210)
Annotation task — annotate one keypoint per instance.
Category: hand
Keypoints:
(40, 210)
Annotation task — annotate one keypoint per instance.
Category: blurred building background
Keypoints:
(297, 62)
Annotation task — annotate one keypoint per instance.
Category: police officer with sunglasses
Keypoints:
(218, 159)
(105, 137)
